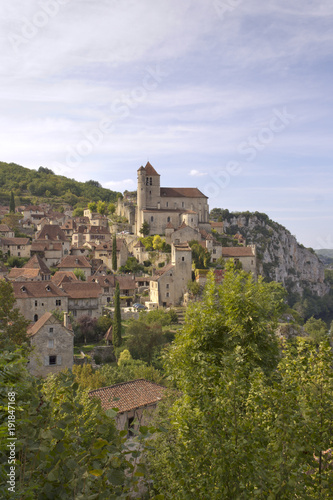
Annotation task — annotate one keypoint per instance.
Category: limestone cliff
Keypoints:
(280, 257)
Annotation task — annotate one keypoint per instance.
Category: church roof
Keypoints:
(150, 169)
(182, 193)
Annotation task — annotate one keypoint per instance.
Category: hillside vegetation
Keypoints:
(43, 185)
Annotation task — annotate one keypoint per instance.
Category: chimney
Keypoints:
(65, 319)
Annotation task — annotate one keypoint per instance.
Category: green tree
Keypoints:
(78, 212)
(158, 242)
(111, 208)
(316, 329)
(101, 207)
(116, 332)
(13, 326)
(145, 228)
(79, 273)
(92, 206)
(66, 446)
(114, 253)
(143, 340)
(12, 203)
(200, 255)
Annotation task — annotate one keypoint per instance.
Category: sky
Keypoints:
(233, 97)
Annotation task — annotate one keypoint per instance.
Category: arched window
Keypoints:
(36, 318)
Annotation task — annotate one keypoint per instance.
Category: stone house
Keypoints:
(169, 283)
(107, 284)
(34, 298)
(159, 206)
(34, 270)
(104, 252)
(84, 298)
(54, 233)
(31, 210)
(135, 400)
(72, 262)
(244, 255)
(6, 232)
(51, 252)
(17, 247)
(53, 346)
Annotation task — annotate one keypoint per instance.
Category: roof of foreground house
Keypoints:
(129, 395)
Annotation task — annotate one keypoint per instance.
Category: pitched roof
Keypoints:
(129, 395)
(150, 169)
(15, 241)
(33, 329)
(21, 272)
(30, 289)
(237, 252)
(181, 192)
(62, 276)
(78, 261)
(52, 232)
(139, 244)
(5, 228)
(159, 272)
(37, 262)
(103, 281)
(43, 245)
(126, 282)
(81, 289)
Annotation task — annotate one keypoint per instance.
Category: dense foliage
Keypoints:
(251, 420)
(28, 185)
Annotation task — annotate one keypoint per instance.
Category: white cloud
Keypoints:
(196, 173)
(120, 185)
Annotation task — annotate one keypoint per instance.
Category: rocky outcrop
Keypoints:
(279, 256)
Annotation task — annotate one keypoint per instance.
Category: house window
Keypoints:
(58, 302)
(74, 313)
(50, 344)
(36, 303)
(19, 254)
(167, 294)
(167, 285)
(183, 259)
(52, 360)
(51, 329)
(147, 181)
(151, 219)
(151, 181)
(183, 204)
(168, 219)
(36, 318)
(108, 299)
(214, 251)
(167, 204)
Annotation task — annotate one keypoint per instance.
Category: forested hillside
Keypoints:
(36, 186)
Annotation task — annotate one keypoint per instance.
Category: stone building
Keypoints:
(84, 298)
(135, 401)
(72, 262)
(17, 247)
(53, 346)
(34, 270)
(34, 298)
(246, 256)
(159, 206)
(169, 283)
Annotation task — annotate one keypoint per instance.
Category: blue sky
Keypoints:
(230, 96)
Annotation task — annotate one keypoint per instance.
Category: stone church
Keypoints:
(164, 207)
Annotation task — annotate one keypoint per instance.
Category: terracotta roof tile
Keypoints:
(15, 241)
(52, 232)
(37, 262)
(81, 289)
(129, 395)
(150, 169)
(78, 261)
(181, 193)
(28, 289)
(237, 252)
